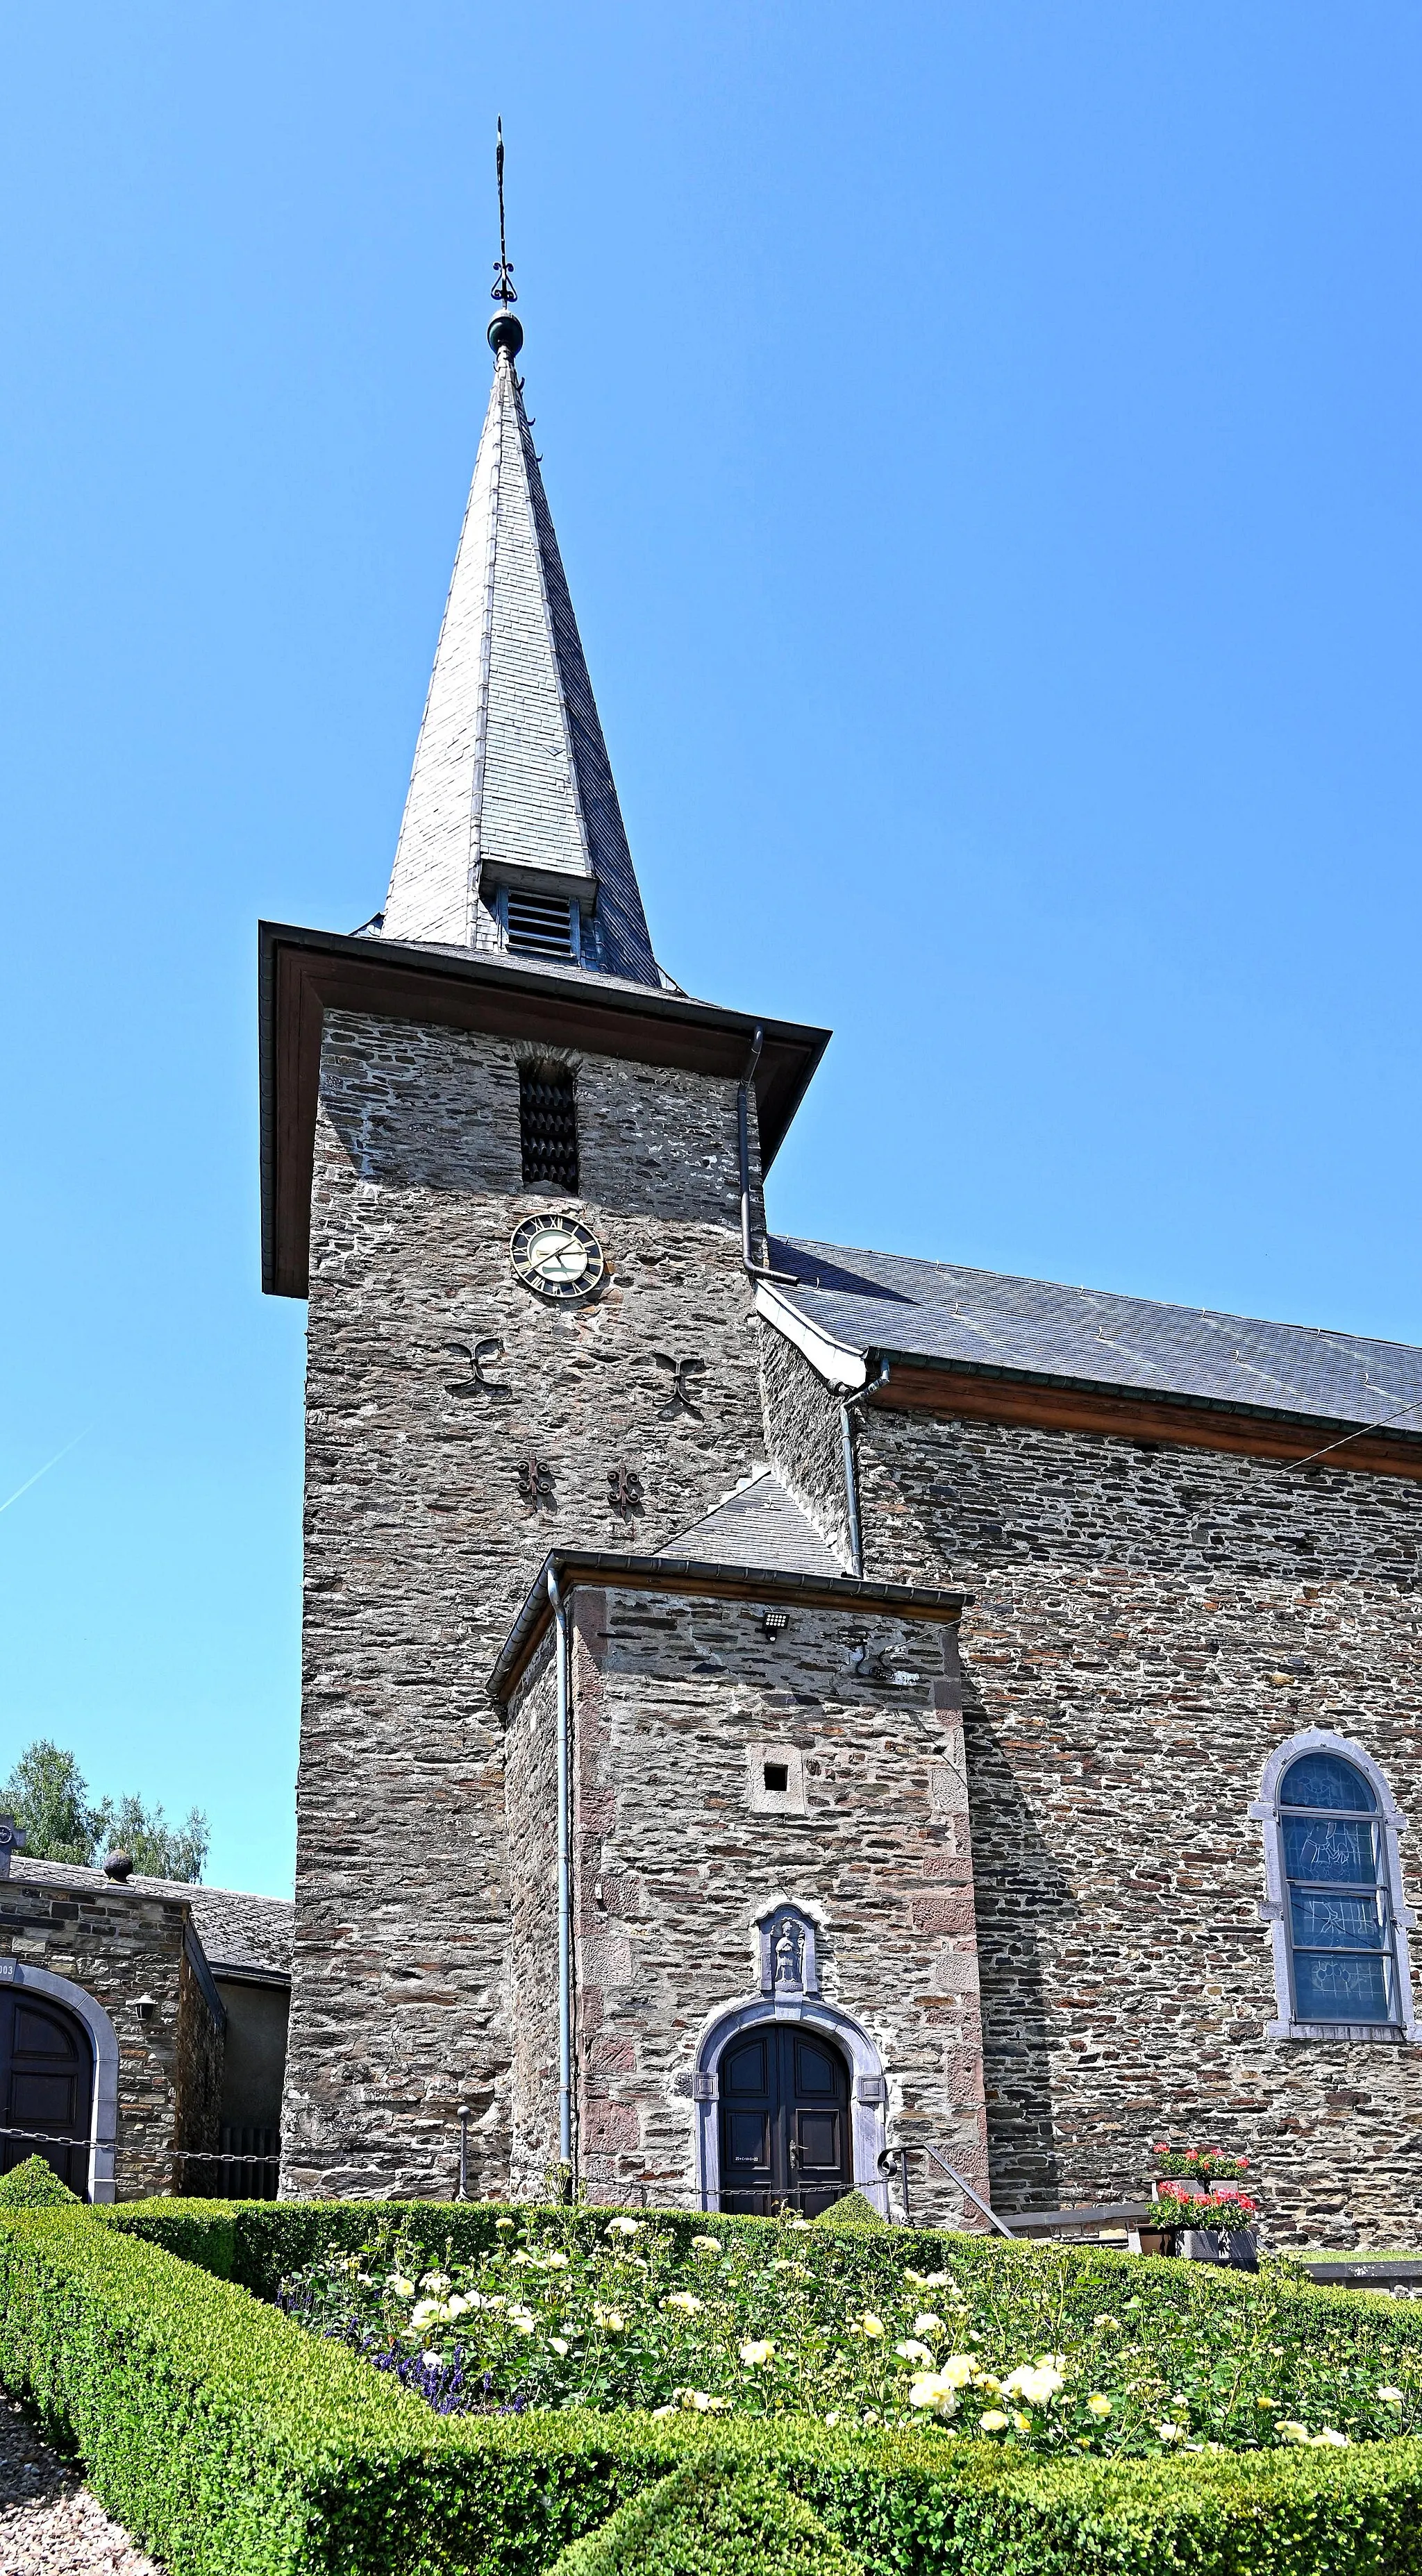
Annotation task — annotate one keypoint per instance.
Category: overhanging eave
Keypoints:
(303, 974)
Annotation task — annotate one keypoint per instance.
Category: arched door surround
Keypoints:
(46, 2086)
(1295, 1907)
(93, 2161)
(813, 2018)
(785, 2139)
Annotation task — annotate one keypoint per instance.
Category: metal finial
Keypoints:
(503, 289)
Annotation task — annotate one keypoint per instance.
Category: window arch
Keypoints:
(1335, 1893)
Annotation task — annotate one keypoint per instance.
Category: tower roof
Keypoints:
(512, 825)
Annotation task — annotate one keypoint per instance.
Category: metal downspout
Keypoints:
(565, 1886)
(851, 1472)
(753, 1269)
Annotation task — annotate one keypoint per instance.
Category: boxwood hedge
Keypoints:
(742, 2525)
(232, 2443)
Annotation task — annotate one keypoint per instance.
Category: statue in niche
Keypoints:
(788, 1955)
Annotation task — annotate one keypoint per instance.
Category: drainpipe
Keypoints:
(565, 1888)
(753, 1269)
(851, 1472)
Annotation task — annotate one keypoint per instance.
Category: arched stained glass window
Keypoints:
(1342, 1943)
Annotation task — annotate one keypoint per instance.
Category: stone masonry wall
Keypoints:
(118, 1946)
(673, 1866)
(421, 1538)
(1150, 1623)
(802, 1434)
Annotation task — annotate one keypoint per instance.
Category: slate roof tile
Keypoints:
(236, 1930)
(761, 1525)
(1090, 1337)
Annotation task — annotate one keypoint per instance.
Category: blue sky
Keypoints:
(984, 446)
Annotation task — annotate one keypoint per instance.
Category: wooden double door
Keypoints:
(785, 2123)
(46, 2087)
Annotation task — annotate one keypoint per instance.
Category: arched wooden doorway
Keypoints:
(785, 2127)
(46, 2087)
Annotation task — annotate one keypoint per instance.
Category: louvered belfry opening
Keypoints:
(548, 1126)
(540, 925)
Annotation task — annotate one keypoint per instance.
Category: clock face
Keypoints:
(558, 1258)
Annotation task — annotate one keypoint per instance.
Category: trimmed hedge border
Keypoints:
(257, 2242)
(743, 2525)
(232, 2443)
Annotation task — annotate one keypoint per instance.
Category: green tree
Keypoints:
(50, 1799)
(48, 1796)
(157, 1849)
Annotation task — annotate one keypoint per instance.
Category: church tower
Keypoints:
(516, 1172)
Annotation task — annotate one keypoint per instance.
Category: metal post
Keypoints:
(463, 2118)
(888, 2159)
(903, 2169)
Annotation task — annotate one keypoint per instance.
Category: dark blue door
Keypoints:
(785, 2139)
(46, 2088)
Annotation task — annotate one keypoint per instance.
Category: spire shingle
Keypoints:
(511, 789)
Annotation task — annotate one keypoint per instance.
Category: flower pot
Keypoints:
(1151, 2240)
(1238, 2246)
(1194, 2186)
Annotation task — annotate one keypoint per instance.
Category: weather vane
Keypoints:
(503, 289)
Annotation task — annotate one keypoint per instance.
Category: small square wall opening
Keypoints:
(775, 1779)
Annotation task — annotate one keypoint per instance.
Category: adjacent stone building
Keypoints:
(767, 1705)
(142, 2029)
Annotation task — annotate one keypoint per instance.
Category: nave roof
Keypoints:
(983, 1321)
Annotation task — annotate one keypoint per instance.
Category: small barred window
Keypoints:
(548, 1126)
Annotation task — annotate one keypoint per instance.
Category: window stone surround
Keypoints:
(1273, 1908)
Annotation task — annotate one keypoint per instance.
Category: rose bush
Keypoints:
(1199, 2164)
(1226, 2211)
(1049, 2351)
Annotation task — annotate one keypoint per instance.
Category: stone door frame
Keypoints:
(103, 2038)
(868, 2088)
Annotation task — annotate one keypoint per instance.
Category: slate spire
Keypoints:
(512, 825)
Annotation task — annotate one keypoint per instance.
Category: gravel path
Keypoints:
(50, 2525)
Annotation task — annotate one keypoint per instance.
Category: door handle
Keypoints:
(794, 2155)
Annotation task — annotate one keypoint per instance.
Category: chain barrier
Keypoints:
(162, 2155)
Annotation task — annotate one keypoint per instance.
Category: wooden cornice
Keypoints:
(303, 974)
(1180, 1422)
